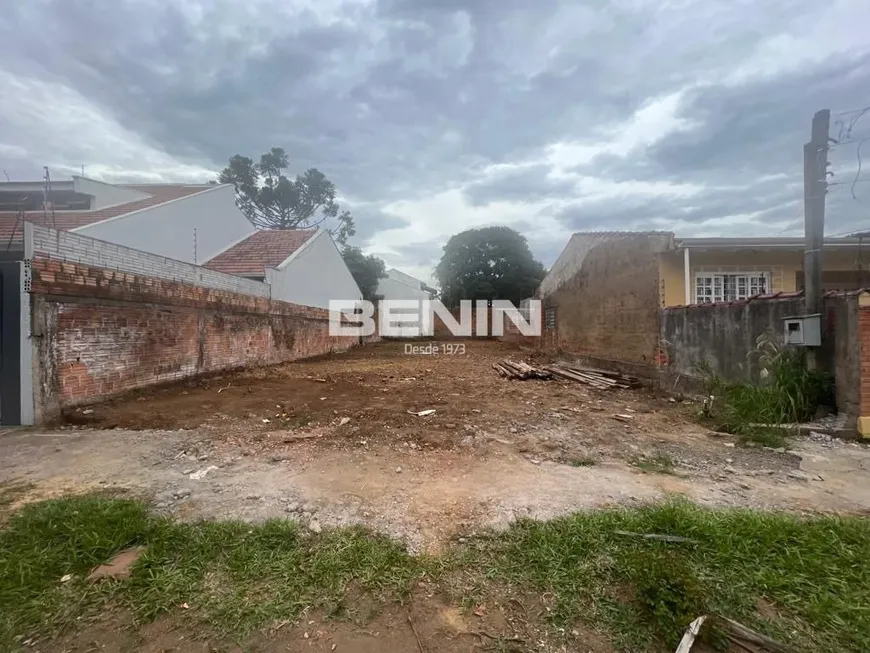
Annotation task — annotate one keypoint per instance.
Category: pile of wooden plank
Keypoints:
(600, 379)
(596, 378)
(519, 370)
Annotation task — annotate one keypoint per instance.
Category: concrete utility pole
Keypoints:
(815, 190)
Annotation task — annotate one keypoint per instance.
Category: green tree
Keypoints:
(488, 263)
(271, 200)
(367, 271)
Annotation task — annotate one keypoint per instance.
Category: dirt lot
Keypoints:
(331, 442)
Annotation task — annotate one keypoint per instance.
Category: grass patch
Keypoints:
(10, 492)
(583, 461)
(772, 437)
(236, 577)
(785, 393)
(659, 463)
(644, 593)
(233, 575)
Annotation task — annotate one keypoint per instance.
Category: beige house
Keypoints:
(704, 270)
(606, 289)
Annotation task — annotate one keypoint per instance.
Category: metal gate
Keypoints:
(10, 343)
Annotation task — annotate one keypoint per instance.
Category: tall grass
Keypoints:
(787, 392)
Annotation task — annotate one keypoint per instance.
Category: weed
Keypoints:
(669, 594)
(583, 461)
(659, 463)
(773, 437)
(787, 392)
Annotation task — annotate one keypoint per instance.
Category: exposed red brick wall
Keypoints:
(100, 332)
(864, 352)
(609, 307)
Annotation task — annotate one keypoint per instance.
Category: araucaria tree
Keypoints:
(488, 263)
(271, 200)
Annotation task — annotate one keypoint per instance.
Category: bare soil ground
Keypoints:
(331, 442)
(430, 621)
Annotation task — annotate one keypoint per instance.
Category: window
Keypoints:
(727, 287)
(550, 318)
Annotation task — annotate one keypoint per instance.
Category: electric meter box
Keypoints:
(803, 330)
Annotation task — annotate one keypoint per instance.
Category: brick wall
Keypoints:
(98, 331)
(864, 358)
(608, 307)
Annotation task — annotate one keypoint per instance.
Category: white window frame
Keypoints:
(715, 290)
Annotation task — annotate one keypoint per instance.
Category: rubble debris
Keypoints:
(120, 566)
(658, 537)
(294, 437)
(744, 637)
(201, 474)
(690, 635)
(599, 379)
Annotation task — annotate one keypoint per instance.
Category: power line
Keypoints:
(851, 111)
(853, 232)
(845, 131)
(848, 183)
(836, 144)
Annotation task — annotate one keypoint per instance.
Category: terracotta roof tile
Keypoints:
(262, 249)
(10, 230)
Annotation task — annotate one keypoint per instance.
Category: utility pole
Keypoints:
(815, 190)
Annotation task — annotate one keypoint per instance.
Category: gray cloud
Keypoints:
(402, 99)
(370, 221)
(528, 184)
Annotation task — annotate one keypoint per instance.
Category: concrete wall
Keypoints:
(722, 335)
(314, 275)
(725, 335)
(398, 285)
(168, 229)
(608, 307)
(99, 330)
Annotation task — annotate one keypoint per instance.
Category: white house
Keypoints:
(187, 222)
(303, 266)
(398, 285)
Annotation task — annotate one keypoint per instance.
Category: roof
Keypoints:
(11, 229)
(795, 294)
(262, 249)
(764, 243)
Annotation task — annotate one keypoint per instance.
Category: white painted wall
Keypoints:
(398, 285)
(167, 229)
(105, 194)
(314, 275)
(391, 289)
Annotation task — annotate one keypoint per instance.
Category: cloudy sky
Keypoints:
(433, 116)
